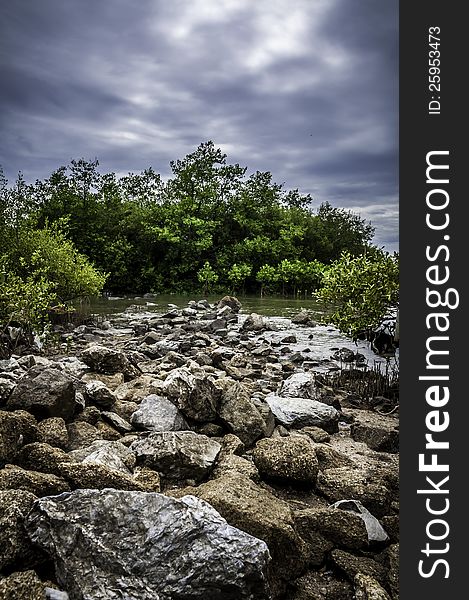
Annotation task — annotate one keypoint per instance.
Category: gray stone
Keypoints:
(112, 454)
(379, 433)
(303, 318)
(117, 422)
(240, 415)
(99, 394)
(157, 413)
(108, 361)
(230, 301)
(302, 412)
(193, 393)
(45, 392)
(146, 546)
(254, 322)
(374, 529)
(300, 385)
(177, 455)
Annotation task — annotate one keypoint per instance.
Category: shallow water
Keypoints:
(315, 343)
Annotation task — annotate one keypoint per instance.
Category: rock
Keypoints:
(54, 594)
(378, 432)
(231, 302)
(147, 479)
(254, 322)
(320, 585)
(39, 484)
(343, 529)
(6, 387)
(117, 422)
(81, 434)
(374, 529)
(367, 588)
(392, 566)
(16, 429)
(316, 434)
(42, 457)
(93, 475)
(45, 392)
(110, 381)
(53, 431)
(344, 355)
(109, 361)
(240, 415)
(23, 585)
(291, 459)
(330, 458)
(157, 413)
(232, 464)
(104, 452)
(16, 549)
(137, 545)
(194, 394)
(125, 409)
(107, 431)
(177, 455)
(343, 482)
(351, 565)
(300, 385)
(255, 510)
(210, 429)
(90, 414)
(303, 318)
(302, 412)
(99, 394)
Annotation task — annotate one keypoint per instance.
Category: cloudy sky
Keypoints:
(306, 89)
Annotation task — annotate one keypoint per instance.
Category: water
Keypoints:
(316, 344)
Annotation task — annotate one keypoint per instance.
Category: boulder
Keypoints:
(255, 510)
(15, 546)
(94, 475)
(53, 431)
(344, 482)
(22, 585)
(193, 393)
(254, 322)
(303, 318)
(367, 588)
(231, 302)
(351, 565)
(109, 361)
(177, 455)
(300, 385)
(45, 392)
(16, 429)
(96, 392)
(109, 453)
(81, 434)
(42, 457)
(301, 412)
(240, 415)
(146, 546)
(374, 529)
(291, 459)
(378, 432)
(157, 413)
(114, 420)
(39, 484)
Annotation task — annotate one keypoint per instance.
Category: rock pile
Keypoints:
(183, 455)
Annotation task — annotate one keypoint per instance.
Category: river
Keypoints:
(318, 343)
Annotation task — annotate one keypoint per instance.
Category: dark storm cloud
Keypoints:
(306, 89)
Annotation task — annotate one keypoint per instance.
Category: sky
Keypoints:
(305, 89)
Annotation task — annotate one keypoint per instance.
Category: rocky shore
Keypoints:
(189, 455)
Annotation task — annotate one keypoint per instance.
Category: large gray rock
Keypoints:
(146, 546)
(108, 361)
(45, 392)
(240, 415)
(193, 393)
(105, 452)
(302, 412)
(254, 322)
(157, 413)
(291, 458)
(177, 455)
(300, 385)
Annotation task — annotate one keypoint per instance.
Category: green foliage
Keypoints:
(207, 276)
(362, 289)
(152, 235)
(238, 274)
